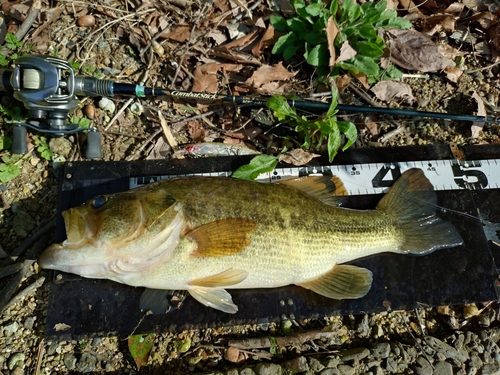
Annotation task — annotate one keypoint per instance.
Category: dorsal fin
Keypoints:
(328, 189)
(222, 237)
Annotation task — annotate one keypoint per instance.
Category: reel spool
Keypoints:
(46, 86)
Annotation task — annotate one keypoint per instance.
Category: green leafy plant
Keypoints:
(11, 115)
(43, 147)
(315, 132)
(75, 65)
(140, 347)
(356, 26)
(12, 43)
(8, 169)
(82, 122)
(259, 164)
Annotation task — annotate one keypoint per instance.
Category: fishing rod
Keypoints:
(48, 87)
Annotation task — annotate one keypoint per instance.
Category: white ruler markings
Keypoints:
(375, 178)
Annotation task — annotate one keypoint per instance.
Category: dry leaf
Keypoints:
(205, 78)
(218, 36)
(271, 88)
(267, 73)
(234, 55)
(61, 327)
(362, 78)
(331, 34)
(453, 73)
(414, 50)
(439, 22)
(392, 91)
(179, 33)
(371, 123)
(477, 126)
(297, 157)
(346, 52)
(342, 82)
(243, 41)
(196, 131)
(166, 131)
(485, 19)
(269, 38)
(232, 354)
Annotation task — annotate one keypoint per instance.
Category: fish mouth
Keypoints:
(48, 258)
(78, 228)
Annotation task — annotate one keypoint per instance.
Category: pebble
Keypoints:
(443, 368)
(268, 369)
(247, 371)
(70, 361)
(423, 367)
(491, 369)
(330, 371)
(10, 329)
(442, 347)
(355, 354)
(86, 363)
(296, 365)
(381, 350)
(16, 360)
(315, 365)
(346, 370)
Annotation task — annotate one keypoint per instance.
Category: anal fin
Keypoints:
(342, 282)
(216, 298)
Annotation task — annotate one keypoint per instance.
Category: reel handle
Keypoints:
(93, 150)
(19, 144)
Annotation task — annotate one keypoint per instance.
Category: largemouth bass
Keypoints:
(209, 234)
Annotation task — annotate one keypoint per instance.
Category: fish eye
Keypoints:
(99, 201)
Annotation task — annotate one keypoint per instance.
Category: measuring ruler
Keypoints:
(375, 178)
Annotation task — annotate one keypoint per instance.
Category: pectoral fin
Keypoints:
(328, 189)
(342, 282)
(218, 299)
(226, 278)
(222, 237)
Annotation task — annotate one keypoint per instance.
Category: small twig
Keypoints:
(144, 78)
(268, 341)
(24, 293)
(200, 116)
(147, 313)
(27, 243)
(183, 56)
(416, 341)
(146, 142)
(28, 21)
(10, 269)
(55, 15)
(9, 289)
(39, 356)
(391, 134)
(483, 68)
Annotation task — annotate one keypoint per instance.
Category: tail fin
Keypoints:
(413, 201)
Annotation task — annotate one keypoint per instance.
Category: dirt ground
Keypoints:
(215, 47)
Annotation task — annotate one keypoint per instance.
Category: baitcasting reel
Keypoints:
(48, 87)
